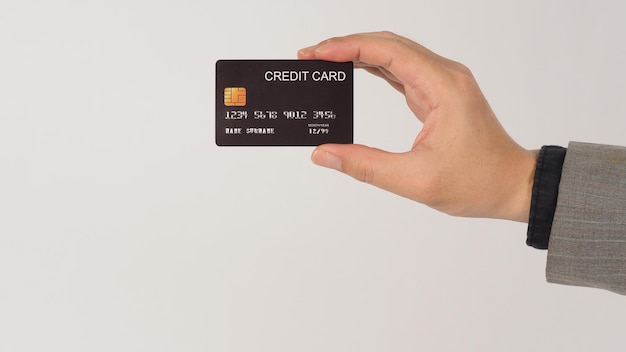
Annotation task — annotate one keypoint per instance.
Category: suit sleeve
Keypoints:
(587, 245)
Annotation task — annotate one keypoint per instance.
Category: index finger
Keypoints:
(412, 64)
(416, 68)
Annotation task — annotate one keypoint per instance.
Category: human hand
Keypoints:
(462, 162)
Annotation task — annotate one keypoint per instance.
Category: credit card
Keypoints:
(283, 102)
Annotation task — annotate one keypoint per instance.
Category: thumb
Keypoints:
(374, 166)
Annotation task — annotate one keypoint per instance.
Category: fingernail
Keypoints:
(308, 48)
(323, 48)
(308, 51)
(323, 158)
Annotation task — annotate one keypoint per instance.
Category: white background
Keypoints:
(124, 228)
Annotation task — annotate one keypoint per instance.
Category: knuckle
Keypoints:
(464, 76)
(463, 70)
(364, 171)
(388, 34)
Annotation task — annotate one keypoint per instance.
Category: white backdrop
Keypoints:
(123, 227)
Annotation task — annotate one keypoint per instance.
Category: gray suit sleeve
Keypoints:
(588, 240)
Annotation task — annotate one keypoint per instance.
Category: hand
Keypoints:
(462, 162)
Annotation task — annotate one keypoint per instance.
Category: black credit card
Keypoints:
(283, 102)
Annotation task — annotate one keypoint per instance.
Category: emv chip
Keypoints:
(234, 96)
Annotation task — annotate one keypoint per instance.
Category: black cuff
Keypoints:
(545, 194)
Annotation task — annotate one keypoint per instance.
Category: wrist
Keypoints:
(522, 173)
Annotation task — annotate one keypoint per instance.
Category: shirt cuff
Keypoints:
(544, 196)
